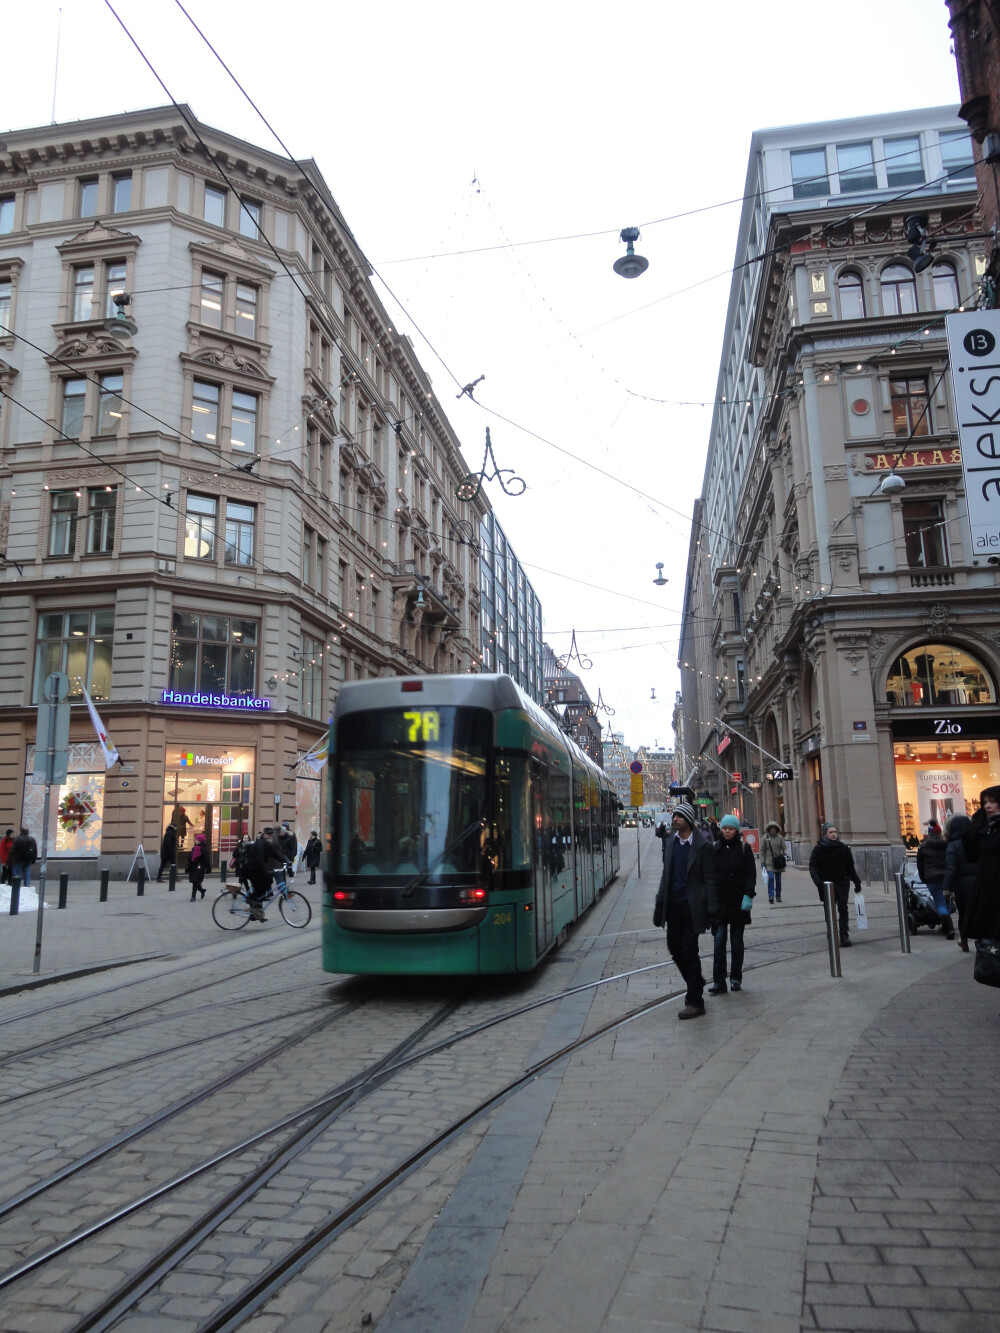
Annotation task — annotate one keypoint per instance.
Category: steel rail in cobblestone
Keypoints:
(95, 1029)
(7, 1206)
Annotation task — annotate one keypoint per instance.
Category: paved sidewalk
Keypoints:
(814, 1154)
(88, 935)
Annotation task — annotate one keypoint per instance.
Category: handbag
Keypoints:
(860, 911)
(987, 966)
(778, 861)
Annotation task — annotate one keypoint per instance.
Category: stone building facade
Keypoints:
(213, 524)
(841, 644)
(975, 30)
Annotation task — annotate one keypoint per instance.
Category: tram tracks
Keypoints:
(313, 1121)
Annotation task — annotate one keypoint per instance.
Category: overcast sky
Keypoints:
(444, 127)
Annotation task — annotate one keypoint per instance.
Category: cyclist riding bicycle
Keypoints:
(263, 859)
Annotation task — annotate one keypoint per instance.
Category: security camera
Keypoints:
(993, 560)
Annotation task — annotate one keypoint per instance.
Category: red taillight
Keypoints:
(412, 686)
(472, 895)
(340, 896)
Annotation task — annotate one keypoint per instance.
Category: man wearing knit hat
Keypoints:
(687, 901)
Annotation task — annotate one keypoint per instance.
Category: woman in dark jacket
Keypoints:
(199, 864)
(959, 873)
(168, 851)
(982, 845)
(931, 869)
(313, 854)
(831, 860)
(736, 882)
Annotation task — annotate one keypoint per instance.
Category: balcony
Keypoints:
(932, 578)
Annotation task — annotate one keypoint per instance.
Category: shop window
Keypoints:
(851, 291)
(312, 676)
(241, 520)
(899, 290)
(200, 521)
(213, 653)
(78, 643)
(910, 407)
(65, 508)
(924, 534)
(102, 506)
(936, 675)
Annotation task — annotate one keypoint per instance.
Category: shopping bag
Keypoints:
(860, 911)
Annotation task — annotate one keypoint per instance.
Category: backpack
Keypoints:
(20, 851)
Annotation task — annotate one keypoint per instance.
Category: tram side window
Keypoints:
(512, 818)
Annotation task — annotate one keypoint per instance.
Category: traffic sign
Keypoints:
(635, 766)
(52, 730)
(636, 781)
(737, 777)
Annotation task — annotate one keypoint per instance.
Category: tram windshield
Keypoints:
(411, 791)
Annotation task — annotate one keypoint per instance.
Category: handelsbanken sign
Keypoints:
(244, 702)
(974, 351)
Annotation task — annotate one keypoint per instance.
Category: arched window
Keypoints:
(935, 675)
(945, 282)
(899, 290)
(852, 295)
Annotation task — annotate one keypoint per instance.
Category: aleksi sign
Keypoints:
(974, 349)
(244, 702)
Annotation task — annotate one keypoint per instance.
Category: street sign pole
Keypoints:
(53, 717)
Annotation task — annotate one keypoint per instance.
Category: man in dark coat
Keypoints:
(168, 851)
(736, 884)
(831, 860)
(313, 855)
(982, 843)
(23, 855)
(959, 873)
(931, 869)
(687, 902)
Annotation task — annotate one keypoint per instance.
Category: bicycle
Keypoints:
(232, 909)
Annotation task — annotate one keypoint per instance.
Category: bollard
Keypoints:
(885, 873)
(63, 889)
(832, 931)
(904, 920)
(172, 880)
(140, 883)
(15, 895)
(222, 871)
(105, 876)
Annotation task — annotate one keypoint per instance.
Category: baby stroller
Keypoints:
(921, 909)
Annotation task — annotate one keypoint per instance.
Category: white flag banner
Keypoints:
(108, 747)
(315, 758)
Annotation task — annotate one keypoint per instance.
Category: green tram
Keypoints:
(467, 831)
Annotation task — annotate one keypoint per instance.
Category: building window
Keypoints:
(6, 214)
(110, 404)
(83, 293)
(910, 407)
(249, 218)
(78, 643)
(307, 540)
(200, 527)
(945, 283)
(956, 156)
(87, 198)
(65, 506)
(121, 192)
(924, 534)
(246, 310)
(205, 412)
(312, 676)
(114, 275)
(741, 680)
(244, 427)
(102, 505)
(855, 167)
(320, 566)
(6, 302)
(903, 165)
(809, 177)
(215, 206)
(899, 290)
(240, 522)
(74, 395)
(852, 295)
(212, 288)
(213, 653)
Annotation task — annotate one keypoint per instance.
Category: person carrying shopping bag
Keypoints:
(774, 859)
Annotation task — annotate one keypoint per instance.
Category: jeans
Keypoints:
(736, 929)
(21, 872)
(683, 945)
(840, 894)
(773, 886)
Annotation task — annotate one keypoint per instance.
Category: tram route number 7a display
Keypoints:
(423, 725)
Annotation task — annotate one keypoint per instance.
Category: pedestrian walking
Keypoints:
(313, 854)
(23, 855)
(687, 901)
(5, 845)
(736, 885)
(931, 869)
(774, 859)
(288, 843)
(199, 864)
(168, 851)
(832, 860)
(982, 845)
(959, 873)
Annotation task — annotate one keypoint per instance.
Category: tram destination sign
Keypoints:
(977, 725)
(974, 352)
